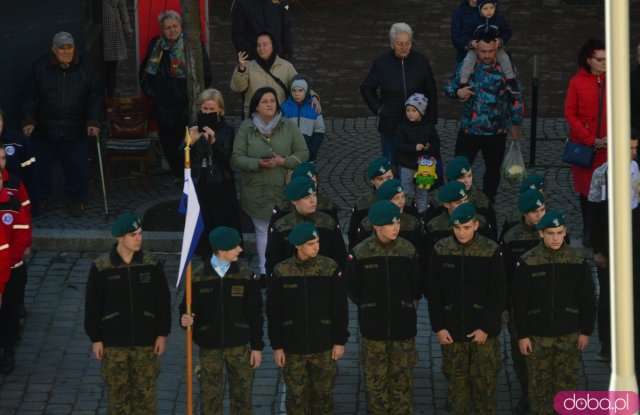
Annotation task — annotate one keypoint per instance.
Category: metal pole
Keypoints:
(104, 188)
(623, 377)
(534, 113)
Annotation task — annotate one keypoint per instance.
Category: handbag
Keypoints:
(580, 155)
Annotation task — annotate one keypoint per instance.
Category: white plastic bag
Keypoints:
(513, 167)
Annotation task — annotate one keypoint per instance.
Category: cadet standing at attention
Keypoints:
(554, 306)
(467, 293)
(226, 316)
(128, 318)
(308, 318)
(383, 278)
(522, 237)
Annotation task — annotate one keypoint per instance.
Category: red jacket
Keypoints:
(16, 226)
(581, 113)
(15, 186)
(5, 260)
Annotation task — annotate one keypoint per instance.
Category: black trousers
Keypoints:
(604, 312)
(110, 76)
(10, 309)
(171, 137)
(492, 147)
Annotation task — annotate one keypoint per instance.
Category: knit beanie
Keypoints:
(419, 102)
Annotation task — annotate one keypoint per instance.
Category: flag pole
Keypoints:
(187, 165)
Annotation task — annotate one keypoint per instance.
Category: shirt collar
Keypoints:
(221, 267)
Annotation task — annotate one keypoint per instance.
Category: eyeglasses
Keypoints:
(599, 60)
(403, 44)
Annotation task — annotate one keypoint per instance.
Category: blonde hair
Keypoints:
(212, 94)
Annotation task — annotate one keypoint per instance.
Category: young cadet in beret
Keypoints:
(378, 172)
(324, 203)
(519, 239)
(466, 292)
(301, 191)
(128, 318)
(452, 195)
(226, 316)
(308, 318)
(411, 227)
(554, 311)
(534, 181)
(383, 276)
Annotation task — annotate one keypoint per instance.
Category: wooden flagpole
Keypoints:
(187, 165)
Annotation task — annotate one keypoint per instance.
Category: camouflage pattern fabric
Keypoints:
(388, 375)
(553, 367)
(131, 374)
(240, 376)
(309, 379)
(472, 370)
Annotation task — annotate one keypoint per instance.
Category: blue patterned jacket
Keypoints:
(492, 110)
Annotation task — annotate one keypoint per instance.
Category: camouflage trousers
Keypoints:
(553, 367)
(472, 370)
(309, 379)
(519, 362)
(240, 376)
(388, 375)
(131, 374)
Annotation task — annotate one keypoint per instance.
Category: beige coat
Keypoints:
(254, 78)
(262, 188)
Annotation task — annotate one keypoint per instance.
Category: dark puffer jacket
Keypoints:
(397, 80)
(62, 102)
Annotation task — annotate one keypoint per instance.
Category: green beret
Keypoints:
(389, 189)
(305, 169)
(452, 191)
(551, 219)
(303, 232)
(383, 212)
(300, 187)
(462, 214)
(378, 167)
(224, 238)
(125, 223)
(457, 166)
(532, 182)
(530, 200)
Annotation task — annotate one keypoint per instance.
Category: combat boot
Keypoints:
(522, 407)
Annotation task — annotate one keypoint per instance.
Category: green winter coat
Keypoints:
(262, 188)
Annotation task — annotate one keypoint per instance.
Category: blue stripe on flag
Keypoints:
(193, 225)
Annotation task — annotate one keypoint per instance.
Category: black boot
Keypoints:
(8, 361)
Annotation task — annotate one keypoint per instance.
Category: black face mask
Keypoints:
(213, 120)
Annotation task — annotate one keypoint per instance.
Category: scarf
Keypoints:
(177, 65)
(266, 64)
(220, 266)
(266, 128)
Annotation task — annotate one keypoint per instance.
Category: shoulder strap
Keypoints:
(280, 84)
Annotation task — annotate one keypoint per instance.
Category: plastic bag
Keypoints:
(513, 167)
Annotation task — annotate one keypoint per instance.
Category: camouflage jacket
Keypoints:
(516, 241)
(307, 306)
(358, 213)
(492, 110)
(553, 293)
(127, 304)
(228, 310)
(466, 287)
(331, 241)
(384, 280)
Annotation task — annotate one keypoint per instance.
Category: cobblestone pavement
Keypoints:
(55, 371)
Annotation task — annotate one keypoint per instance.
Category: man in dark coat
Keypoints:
(62, 105)
(251, 17)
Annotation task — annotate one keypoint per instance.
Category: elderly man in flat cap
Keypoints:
(62, 106)
(128, 318)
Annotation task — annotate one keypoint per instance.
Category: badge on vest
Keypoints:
(237, 290)
(7, 218)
